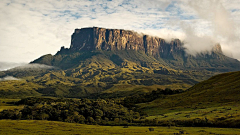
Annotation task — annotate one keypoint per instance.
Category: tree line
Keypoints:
(130, 101)
(104, 111)
(85, 111)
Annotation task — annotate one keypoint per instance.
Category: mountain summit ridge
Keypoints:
(171, 54)
(95, 38)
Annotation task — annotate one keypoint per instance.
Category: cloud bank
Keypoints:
(31, 28)
(220, 27)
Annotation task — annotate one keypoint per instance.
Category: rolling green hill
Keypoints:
(214, 102)
(219, 90)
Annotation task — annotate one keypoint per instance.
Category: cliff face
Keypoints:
(87, 39)
(171, 53)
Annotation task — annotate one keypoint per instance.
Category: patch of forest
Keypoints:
(107, 111)
(131, 101)
(85, 111)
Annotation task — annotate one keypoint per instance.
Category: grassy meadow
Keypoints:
(7, 104)
(229, 111)
(14, 127)
(218, 91)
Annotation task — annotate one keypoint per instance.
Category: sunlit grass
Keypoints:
(220, 90)
(6, 104)
(52, 127)
(227, 112)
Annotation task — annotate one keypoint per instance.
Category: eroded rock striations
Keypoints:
(95, 38)
(126, 44)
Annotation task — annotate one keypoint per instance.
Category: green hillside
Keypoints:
(215, 61)
(18, 89)
(100, 73)
(214, 102)
(217, 91)
(211, 103)
(85, 73)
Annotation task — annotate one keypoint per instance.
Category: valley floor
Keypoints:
(51, 127)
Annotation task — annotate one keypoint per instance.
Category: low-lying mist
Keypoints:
(9, 78)
(33, 66)
(8, 65)
(21, 66)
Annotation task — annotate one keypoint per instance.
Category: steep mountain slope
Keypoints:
(102, 70)
(108, 72)
(173, 54)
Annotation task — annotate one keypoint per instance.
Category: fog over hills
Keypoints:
(9, 65)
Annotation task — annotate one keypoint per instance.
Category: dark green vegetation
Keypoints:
(162, 107)
(100, 111)
(111, 112)
(214, 102)
(131, 101)
(196, 107)
(216, 91)
(104, 112)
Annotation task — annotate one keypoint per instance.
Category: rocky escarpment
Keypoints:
(124, 43)
(95, 38)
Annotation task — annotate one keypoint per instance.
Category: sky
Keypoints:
(32, 28)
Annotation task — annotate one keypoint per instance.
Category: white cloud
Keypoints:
(195, 43)
(214, 12)
(32, 66)
(215, 23)
(9, 65)
(32, 28)
(23, 66)
(9, 78)
(164, 33)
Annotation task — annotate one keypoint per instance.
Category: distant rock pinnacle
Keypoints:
(217, 48)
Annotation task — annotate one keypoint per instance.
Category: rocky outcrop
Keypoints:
(87, 39)
(217, 48)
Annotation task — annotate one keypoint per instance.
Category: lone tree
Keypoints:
(151, 129)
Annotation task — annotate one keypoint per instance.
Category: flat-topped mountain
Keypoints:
(171, 54)
(88, 39)
(118, 63)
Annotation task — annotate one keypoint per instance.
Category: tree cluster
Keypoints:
(130, 101)
(104, 112)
